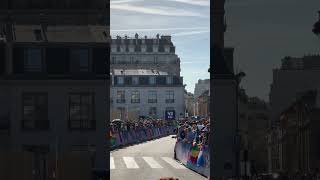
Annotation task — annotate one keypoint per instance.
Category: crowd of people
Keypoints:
(143, 124)
(194, 131)
(124, 133)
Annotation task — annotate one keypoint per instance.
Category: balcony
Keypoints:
(35, 125)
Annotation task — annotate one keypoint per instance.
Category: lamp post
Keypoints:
(316, 27)
(238, 78)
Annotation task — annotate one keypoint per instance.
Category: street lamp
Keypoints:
(316, 27)
(238, 78)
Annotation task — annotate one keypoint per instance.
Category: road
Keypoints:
(149, 161)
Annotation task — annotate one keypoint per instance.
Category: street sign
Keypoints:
(170, 115)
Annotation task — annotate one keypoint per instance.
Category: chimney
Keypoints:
(158, 36)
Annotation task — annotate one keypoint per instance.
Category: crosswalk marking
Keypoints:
(130, 163)
(173, 163)
(112, 166)
(152, 163)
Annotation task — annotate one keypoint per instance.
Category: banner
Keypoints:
(124, 138)
(170, 115)
(195, 157)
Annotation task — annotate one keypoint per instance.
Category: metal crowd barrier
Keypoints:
(194, 157)
(124, 138)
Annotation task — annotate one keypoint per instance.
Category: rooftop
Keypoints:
(36, 34)
(163, 39)
(138, 72)
(306, 62)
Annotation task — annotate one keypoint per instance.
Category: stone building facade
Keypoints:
(253, 124)
(145, 53)
(295, 76)
(143, 93)
(53, 66)
(144, 68)
(299, 139)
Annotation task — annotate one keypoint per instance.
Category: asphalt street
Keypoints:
(149, 161)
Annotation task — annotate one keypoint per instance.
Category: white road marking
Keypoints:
(112, 166)
(173, 163)
(130, 163)
(152, 163)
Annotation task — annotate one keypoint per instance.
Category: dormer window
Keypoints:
(152, 80)
(135, 80)
(120, 80)
(169, 79)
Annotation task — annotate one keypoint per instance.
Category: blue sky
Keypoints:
(187, 21)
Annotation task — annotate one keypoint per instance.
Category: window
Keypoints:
(155, 60)
(161, 48)
(153, 111)
(120, 80)
(35, 111)
(152, 97)
(113, 60)
(135, 97)
(170, 96)
(161, 80)
(131, 60)
(152, 80)
(169, 80)
(80, 60)
(149, 48)
(135, 80)
(81, 111)
(169, 108)
(32, 60)
(121, 97)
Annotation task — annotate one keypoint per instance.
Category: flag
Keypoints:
(194, 154)
(201, 160)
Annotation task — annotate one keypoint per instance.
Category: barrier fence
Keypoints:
(194, 157)
(124, 138)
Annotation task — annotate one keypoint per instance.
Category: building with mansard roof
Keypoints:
(146, 79)
(145, 53)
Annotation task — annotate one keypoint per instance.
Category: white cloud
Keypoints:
(123, 1)
(194, 2)
(194, 62)
(159, 10)
(188, 33)
(158, 29)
